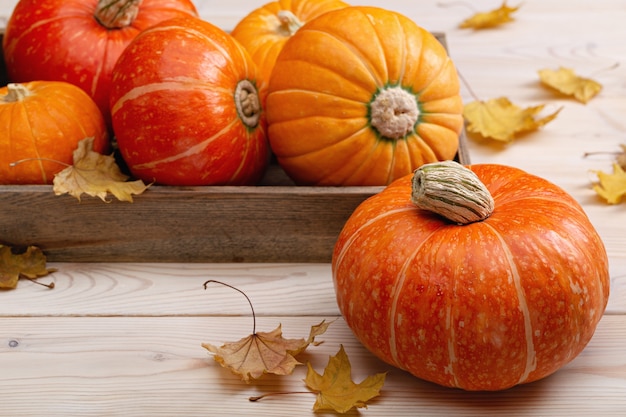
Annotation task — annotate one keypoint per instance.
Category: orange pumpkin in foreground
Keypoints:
(487, 305)
(362, 96)
(41, 123)
(186, 109)
(264, 31)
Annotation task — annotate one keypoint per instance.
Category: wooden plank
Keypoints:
(101, 289)
(177, 224)
(88, 289)
(139, 366)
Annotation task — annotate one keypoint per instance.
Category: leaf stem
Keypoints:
(15, 163)
(271, 394)
(456, 3)
(587, 154)
(467, 85)
(610, 68)
(34, 281)
(238, 290)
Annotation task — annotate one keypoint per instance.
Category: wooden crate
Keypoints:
(273, 222)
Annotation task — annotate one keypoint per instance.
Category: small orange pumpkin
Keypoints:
(362, 96)
(505, 289)
(41, 123)
(264, 31)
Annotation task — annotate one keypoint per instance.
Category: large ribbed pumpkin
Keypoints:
(79, 41)
(186, 109)
(362, 96)
(264, 31)
(41, 123)
(486, 305)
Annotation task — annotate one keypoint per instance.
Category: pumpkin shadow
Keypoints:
(524, 399)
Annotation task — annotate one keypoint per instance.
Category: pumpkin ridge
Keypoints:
(346, 43)
(383, 52)
(198, 148)
(371, 154)
(552, 200)
(354, 172)
(397, 291)
(73, 116)
(187, 30)
(355, 233)
(335, 74)
(244, 162)
(175, 84)
(13, 42)
(381, 49)
(317, 93)
(434, 78)
(531, 353)
(26, 110)
(325, 146)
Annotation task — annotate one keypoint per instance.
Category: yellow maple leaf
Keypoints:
(96, 175)
(263, 352)
(611, 187)
(335, 389)
(567, 82)
(490, 19)
(500, 119)
(30, 264)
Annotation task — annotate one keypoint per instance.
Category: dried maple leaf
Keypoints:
(30, 264)
(500, 119)
(263, 352)
(567, 82)
(96, 175)
(611, 187)
(490, 19)
(335, 389)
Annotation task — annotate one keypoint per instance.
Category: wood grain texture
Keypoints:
(181, 224)
(139, 366)
(89, 289)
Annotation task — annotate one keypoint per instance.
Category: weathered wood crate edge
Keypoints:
(274, 222)
(266, 223)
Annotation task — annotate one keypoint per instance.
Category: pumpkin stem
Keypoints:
(289, 23)
(248, 103)
(452, 191)
(394, 112)
(16, 92)
(117, 14)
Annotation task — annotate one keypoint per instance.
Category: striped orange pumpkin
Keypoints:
(186, 109)
(507, 298)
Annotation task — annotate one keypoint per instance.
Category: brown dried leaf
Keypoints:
(30, 264)
(611, 187)
(490, 19)
(263, 352)
(501, 120)
(96, 175)
(335, 389)
(567, 82)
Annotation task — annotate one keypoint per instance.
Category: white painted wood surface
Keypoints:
(124, 339)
